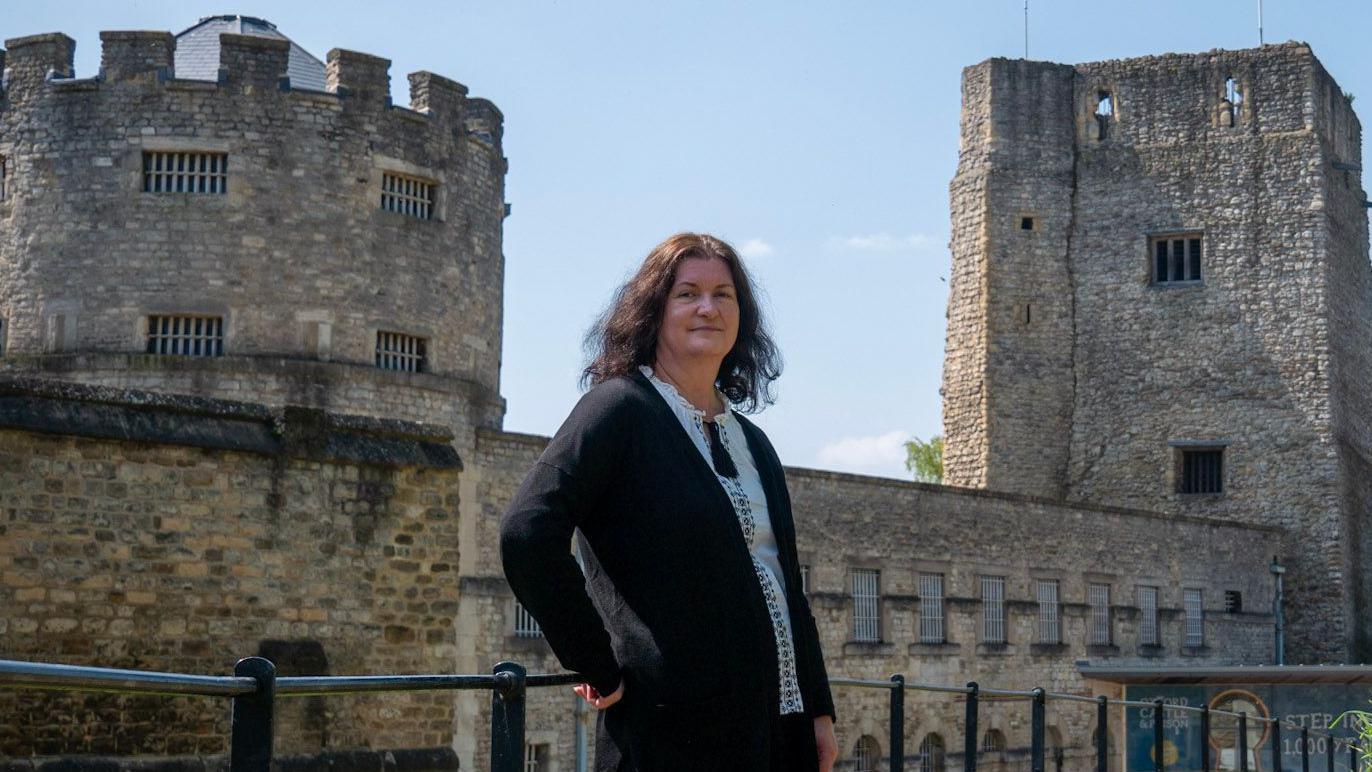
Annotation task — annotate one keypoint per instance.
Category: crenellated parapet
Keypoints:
(136, 54)
(324, 228)
(38, 65)
(34, 60)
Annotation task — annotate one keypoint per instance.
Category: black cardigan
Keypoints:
(669, 600)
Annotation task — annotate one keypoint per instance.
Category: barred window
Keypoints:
(1148, 616)
(410, 196)
(866, 605)
(1191, 601)
(398, 351)
(1098, 597)
(1202, 471)
(993, 609)
(931, 755)
(1050, 630)
(165, 172)
(4, 175)
(1176, 258)
(866, 754)
(931, 608)
(805, 579)
(536, 757)
(992, 741)
(195, 336)
(525, 625)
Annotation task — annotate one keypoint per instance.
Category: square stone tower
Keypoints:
(1161, 298)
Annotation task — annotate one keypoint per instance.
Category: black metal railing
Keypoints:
(254, 689)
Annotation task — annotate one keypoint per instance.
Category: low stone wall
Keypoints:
(172, 533)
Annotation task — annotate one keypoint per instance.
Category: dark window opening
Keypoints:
(196, 336)
(1233, 602)
(1177, 258)
(1105, 110)
(1026, 223)
(198, 172)
(1202, 471)
(4, 175)
(295, 658)
(398, 351)
(1028, 313)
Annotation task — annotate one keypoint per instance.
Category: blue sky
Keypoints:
(819, 137)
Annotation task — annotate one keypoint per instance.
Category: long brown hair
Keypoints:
(625, 336)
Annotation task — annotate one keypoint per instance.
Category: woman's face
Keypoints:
(700, 320)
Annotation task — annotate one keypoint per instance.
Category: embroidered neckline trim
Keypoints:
(684, 403)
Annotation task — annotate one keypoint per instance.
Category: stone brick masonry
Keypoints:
(181, 534)
(1071, 372)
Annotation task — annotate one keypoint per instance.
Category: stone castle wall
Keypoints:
(181, 534)
(846, 521)
(298, 257)
(1259, 357)
(1008, 366)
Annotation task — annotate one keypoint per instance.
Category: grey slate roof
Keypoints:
(197, 50)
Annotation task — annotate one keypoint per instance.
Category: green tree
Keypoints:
(925, 459)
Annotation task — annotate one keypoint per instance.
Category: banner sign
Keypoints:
(1315, 706)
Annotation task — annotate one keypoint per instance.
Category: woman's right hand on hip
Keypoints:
(589, 694)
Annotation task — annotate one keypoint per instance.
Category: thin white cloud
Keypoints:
(883, 242)
(881, 454)
(755, 248)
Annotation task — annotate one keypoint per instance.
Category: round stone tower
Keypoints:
(219, 213)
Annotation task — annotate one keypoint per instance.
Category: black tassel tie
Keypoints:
(724, 464)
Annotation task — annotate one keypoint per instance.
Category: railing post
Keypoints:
(898, 723)
(1036, 730)
(1102, 734)
(1243, 741)
(1276, 744)
(1305, 749)
(1352, 756)
(1205, 737)
(1159, 763)
(970, 743)
(1329, 753)
(250, 742)
(507, 718)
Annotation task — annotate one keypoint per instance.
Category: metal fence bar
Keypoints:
(18, 674)
(1276, 745)
(250, 744)
(969, 740)
(1024, 695)
(1070, 697)
(314, 686)
(1036, 730)
(1102, 734)
(1159, 762)
(898, 723)
(507, 718)
(871, 684)
(1243, 741)
(254, 688)
(1205, 738)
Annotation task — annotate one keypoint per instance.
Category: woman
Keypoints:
(689, 623)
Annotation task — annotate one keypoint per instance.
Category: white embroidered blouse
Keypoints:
(750, 505)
